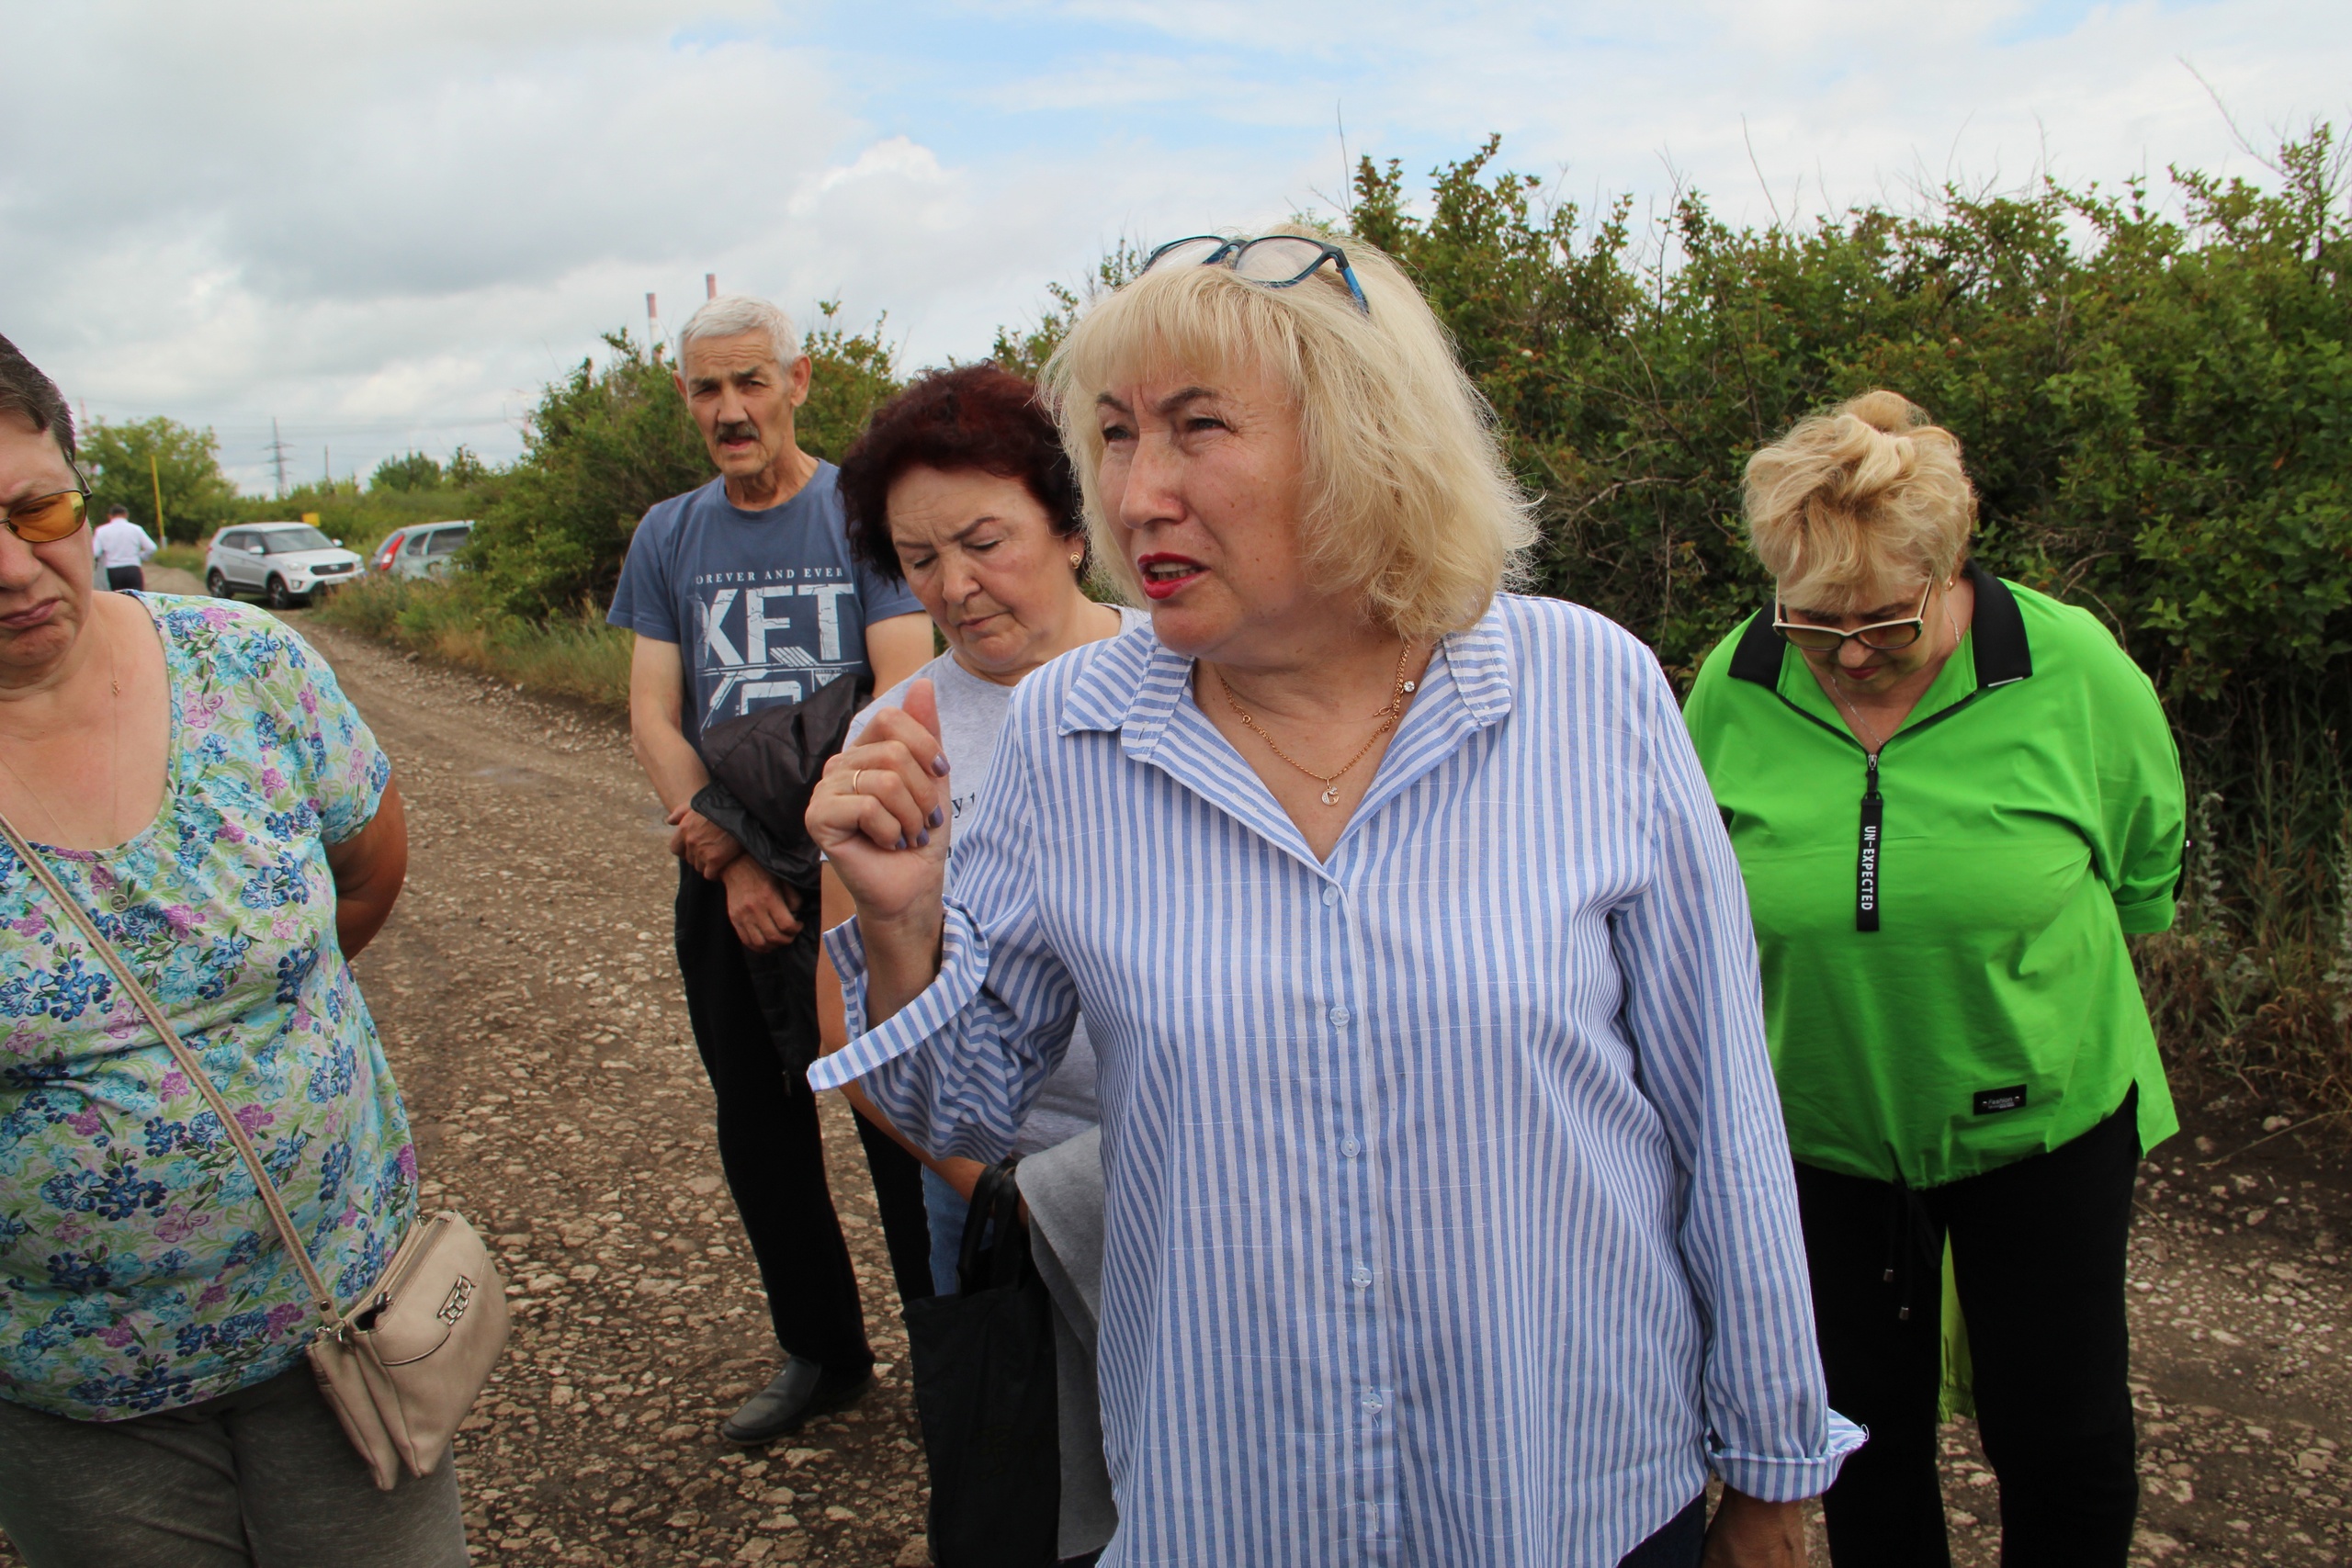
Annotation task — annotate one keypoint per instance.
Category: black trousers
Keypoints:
(769, 1144)
(120, 578)
(1677, 1542)
(2038, 1255)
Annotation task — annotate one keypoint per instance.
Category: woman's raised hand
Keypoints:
(881, 812)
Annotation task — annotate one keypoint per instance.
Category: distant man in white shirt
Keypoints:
(122, 546)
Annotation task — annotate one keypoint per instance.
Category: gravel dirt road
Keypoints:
(530, 1006)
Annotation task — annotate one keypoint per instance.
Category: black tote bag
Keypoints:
(984, 1390)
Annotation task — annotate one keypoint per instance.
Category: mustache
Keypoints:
(737, 430)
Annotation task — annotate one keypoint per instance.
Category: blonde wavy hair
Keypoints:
(1852, 504)
(1408, 503)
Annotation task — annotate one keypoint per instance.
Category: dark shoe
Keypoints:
(801, 1392)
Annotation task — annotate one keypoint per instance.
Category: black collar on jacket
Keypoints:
(2003, 654)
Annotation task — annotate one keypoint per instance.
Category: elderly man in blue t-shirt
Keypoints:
(743, 594)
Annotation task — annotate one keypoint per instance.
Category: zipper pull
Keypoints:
(1867, 857)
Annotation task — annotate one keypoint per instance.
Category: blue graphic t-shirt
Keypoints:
(765, 606)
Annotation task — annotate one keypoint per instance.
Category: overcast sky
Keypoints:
(387, 225)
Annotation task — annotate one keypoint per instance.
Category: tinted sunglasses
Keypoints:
(1278, 261)
(1885, 637)
(45, 519)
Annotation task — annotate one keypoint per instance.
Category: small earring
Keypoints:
(1077, 560)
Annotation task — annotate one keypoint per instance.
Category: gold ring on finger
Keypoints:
(854, 775)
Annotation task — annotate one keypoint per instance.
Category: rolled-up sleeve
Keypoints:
(1694, 1010)
(957, 1068)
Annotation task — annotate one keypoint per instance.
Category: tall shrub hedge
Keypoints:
(2155, 395)
(2156, 408)
(2154, 385)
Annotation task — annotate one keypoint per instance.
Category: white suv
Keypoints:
(285, 563)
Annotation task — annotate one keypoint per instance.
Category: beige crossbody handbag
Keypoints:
(404, 1365)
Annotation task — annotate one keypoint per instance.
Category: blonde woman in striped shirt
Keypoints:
(1448, 1215)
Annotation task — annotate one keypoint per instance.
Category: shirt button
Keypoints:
(1361, 1278)
(1339, 1015)
(1350, 1148)
(1330, 896)
(1371, 1403)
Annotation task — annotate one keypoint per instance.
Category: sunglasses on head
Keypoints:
(1278, 261)
(1884, 636)
(44, 519)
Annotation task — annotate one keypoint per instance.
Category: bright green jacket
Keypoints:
(2029, 814)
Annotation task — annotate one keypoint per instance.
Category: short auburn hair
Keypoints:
(975, 416)
(1852, 506)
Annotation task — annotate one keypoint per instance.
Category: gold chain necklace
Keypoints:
(1330, 781)
(114, 683)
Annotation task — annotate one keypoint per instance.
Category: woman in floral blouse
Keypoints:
(192, 773)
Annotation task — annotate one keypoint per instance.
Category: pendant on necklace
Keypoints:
(1332, 795)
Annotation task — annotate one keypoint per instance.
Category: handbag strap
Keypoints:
(995, 1214)
(320, 1297)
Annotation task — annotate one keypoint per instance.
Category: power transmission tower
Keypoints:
(277, 453)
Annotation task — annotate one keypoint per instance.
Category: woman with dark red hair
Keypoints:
(960, 487)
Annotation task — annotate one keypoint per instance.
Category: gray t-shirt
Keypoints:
(765, 606)
(971, 716)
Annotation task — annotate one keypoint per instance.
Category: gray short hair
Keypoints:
(736, 315)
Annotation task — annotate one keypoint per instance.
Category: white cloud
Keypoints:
(390, 222)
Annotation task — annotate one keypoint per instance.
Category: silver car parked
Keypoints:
(426, 549)
(285, 563)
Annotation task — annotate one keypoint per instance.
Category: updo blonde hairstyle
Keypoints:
(1408, 504)
(1852, 505)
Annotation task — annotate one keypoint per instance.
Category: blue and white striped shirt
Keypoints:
(1449, 1218)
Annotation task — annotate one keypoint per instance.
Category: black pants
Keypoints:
(2038, 1255)
(1677, 1542)
(770, 1149)
(784, 984)
(120, 578)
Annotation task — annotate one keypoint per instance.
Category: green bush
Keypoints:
(2157, 411)
(415, 470)
(128, 463)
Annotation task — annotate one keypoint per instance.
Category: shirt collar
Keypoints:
(1134, 684)
(1137, 688)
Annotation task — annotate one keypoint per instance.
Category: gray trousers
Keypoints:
(261, 1478)
(1063, 1186)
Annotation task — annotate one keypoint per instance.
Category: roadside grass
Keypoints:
(183, 558)
(2251, 989)
(574, 655)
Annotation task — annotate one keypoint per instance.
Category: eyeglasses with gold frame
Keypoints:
(45, 519)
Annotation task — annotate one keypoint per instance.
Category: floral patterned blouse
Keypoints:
(139, 1269)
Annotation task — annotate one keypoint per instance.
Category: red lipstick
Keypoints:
(1165, 575)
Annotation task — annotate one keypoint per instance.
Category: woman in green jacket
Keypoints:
(1952, 798)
